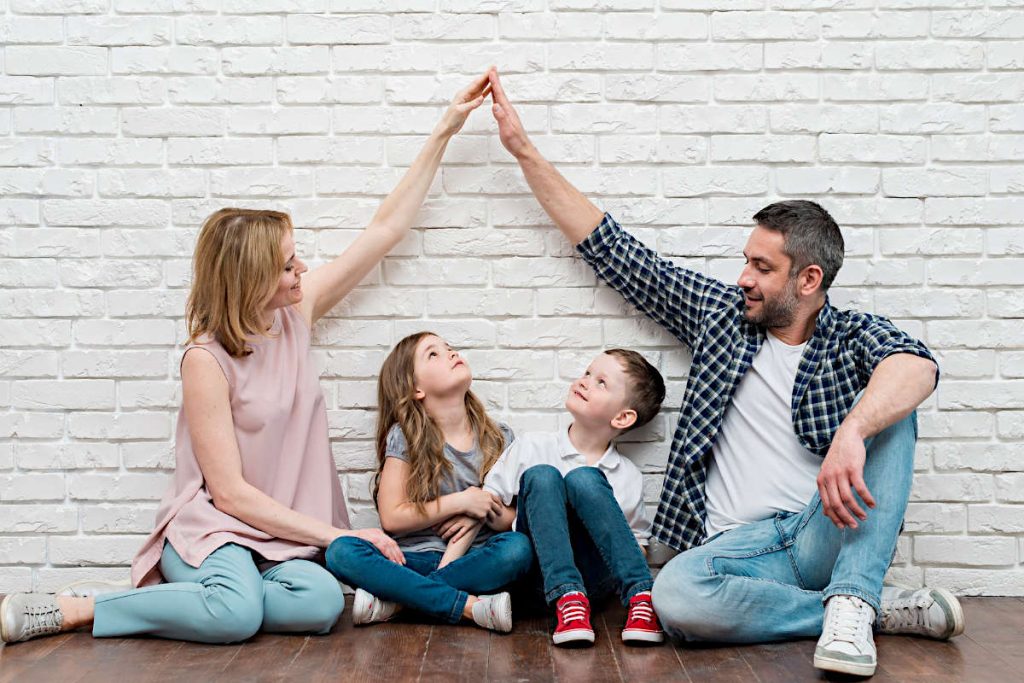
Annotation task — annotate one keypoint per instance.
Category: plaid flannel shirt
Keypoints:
(707, 315)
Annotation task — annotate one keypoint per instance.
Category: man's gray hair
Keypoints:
(811, 236)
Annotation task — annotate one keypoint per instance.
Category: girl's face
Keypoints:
(289, 286)
(438, 369)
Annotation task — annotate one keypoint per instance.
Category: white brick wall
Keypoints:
(124, 122)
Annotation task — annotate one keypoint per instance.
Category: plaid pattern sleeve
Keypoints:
(674, 297)
(876, 338)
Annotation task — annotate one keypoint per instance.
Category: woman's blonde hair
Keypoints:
(235, 267)
(397, 404)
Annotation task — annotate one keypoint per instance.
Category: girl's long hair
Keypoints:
(237, 263)
(397, 404)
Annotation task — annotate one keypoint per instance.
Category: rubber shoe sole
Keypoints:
(954, 612)
(827, 662)
(577, 636)
(638, 636)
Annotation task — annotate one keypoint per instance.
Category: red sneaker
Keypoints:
(641, 622)
(573, 610)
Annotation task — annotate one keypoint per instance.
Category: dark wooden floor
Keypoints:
(992, 649)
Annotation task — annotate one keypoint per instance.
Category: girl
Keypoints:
(255, 495)
(435, 443)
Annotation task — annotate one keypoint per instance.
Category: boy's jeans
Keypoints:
(580, 536)
(769, 580)
(419, 584)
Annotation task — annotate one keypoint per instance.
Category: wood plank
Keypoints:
(266, 656)
(649, 663)
(782, 662)
(524, 654)
(17, 658)
(714, 662)
(458, 653)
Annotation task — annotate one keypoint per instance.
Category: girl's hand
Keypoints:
(467, 99)
(478, 503)
(384, 543)
(455, 527)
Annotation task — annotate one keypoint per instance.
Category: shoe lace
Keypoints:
(641, 610)
(906, 613)
(847, 620)
(43, 619)
(572, 610)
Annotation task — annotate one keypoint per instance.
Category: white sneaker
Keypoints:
(494, 612)
(846, 645)
(930, 612)
(29, 615)
(369, 609)
(88, 588)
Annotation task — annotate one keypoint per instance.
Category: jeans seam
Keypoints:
(559, 591)
(455, 615)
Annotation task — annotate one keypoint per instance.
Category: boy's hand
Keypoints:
(455, 527)
(510, 128)
(478, 503)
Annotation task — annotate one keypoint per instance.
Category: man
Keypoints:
(792, 462)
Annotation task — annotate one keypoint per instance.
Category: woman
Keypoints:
(255, 495)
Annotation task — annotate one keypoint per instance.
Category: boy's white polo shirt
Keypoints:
(555, 449)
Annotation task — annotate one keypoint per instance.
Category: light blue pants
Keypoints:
(769, 580)
(226, 600)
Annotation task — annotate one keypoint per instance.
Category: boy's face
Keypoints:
(601, 395)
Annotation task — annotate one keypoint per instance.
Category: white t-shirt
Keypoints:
(758, 466)
(555, 449)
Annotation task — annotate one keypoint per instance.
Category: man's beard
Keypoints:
(778, 311)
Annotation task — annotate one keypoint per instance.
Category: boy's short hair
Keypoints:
(647, 388)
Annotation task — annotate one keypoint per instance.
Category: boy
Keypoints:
(581, 502)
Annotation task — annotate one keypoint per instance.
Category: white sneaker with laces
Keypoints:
(846, 644)
(929, 612)
(369, 609)
(29, 615)
(494, 612)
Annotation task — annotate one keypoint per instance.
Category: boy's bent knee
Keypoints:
(543, 477)
(585, 479)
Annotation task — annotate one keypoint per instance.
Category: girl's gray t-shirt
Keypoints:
(465, 473)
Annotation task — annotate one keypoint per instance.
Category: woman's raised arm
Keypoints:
(328, 284)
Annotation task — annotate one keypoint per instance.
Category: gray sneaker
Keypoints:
(846, 645)
(494, 612)
(88, 588)
(929, 612)
(28, 615)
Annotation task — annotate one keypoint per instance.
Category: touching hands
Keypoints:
(842, 472)
(465, 101)
(510, 128)
(478, 504)
(454, 528)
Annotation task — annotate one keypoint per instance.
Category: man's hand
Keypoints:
(510, 128)
(841, 473)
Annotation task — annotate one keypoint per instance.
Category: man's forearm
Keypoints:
(897, 386)
(575, 215)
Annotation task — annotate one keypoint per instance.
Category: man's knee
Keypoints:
(683, 598)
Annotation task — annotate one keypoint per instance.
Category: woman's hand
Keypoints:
(467, 99)
(478, 503)
(456, 527)
(384, 543)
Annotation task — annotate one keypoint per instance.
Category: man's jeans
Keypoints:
(419, 584)
(580, 535)
(769, 580)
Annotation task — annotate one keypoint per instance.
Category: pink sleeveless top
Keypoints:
(280, 422)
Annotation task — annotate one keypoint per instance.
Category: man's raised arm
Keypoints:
(575, 215)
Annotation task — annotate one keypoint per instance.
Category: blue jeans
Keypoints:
(419, 584)
(225, 600)
(582, 540)
(769, 580)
